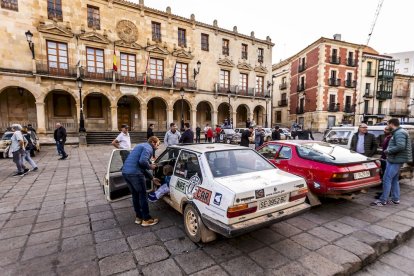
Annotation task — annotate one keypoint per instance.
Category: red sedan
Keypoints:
(329, 170)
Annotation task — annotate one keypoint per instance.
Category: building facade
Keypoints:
(404, 62)
(134, 61)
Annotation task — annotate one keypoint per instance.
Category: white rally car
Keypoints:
(220, 188)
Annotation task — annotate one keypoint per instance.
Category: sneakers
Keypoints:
(378, 203)
(394, 202)
(149, 222)
(18, 174)
(138, 220)
(26, 171)
(152, 197)
(35, 169)
(64, 157)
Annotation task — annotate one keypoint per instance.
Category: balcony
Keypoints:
(43, 69)
(226, 51)
(384, 95)
(104, 76)
(349, 109)
(370, 73)
(260, 59)
(188, 85)
(368, 93)
(334, 60)
(283, 86)
(282, 103)
(350, 62)
(301, 87)
(381, 111)
(300, 110)
(301, 67)
(399, 112)
(334, 82)
(350, 83)
(333, 107)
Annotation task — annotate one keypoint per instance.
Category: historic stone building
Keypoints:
(133, 60)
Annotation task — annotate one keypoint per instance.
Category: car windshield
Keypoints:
(229, 131)
(339, 137)
(7, 136)
(324, 152)
(233, 162)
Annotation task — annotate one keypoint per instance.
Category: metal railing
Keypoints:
(370, 73)
(69, 126)
(301, 67)
(334, 82)
(368, 93)
(334, 60)
(350, 83)
(349, 109)
(44, 69)
(301, 87)
(283, 86)
(333, 107)
(300, 110)
(282, 103)
(381, 111)
(350, 62)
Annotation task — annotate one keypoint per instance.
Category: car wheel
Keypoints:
(228, 141)
(194, 226)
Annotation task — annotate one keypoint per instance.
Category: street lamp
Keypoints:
(79, 83)
(182, 91)
(29, 37)
(229, 96)
(197, 71)
(267, 98)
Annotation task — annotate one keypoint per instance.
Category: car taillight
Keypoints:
(300, 193)
(341, 177)
(241, 209)
(378, 163)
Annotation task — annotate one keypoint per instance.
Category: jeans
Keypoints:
(61, 148)
(58, 148)
(197, 138)
(18, 159)
(390, 182)
(136, 184)
(29, 159)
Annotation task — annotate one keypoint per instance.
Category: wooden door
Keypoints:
(124, 116)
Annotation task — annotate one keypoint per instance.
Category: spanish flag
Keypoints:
(114, 64)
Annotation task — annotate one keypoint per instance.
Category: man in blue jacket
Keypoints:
(398, 153)
(135, 172)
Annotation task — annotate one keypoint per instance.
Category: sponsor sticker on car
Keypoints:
(203, 195)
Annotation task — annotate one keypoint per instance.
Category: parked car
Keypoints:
(329, 170)
(229, 136)
(284, 135)
(220, 188)
(5, 143)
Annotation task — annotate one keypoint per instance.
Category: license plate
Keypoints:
(272, 202)
(360, 175)
(370, 165)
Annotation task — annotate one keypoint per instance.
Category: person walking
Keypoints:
(188, 135)
(29, 147)
(60, 137)
(123, 141)
(150, 131)
(398, 152)
(210, 134)
(198, 134)
(172, 136)
(363, 142)
(259, 135)
(135, 171)
(205, 132)
(245, 137)
(17, 148)
(34, 137)
(218, 131)
(276, 134)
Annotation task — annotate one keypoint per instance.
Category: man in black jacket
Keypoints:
(188, 135)
(150, 131)
(60, 138)
(245, 141)
(363, 142)
(276, 134)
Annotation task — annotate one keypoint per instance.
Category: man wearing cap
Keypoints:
(17, 148)
(363, 142)
(123, 141)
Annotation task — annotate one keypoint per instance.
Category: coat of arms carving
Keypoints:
(127, 31)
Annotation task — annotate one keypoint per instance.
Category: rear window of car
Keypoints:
(326, 153)
(234, 162)
(6, 136)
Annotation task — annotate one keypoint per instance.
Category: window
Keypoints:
(204, 42)
(243, 84)
(259, 85)
(94, 107)
(348, 102)
(95, 61)
(284, 80)
(62, 105)
(269, 151)
(285, 153)
(156, 70)
(10, 5)
(380, 109)
(54, 9)
(226, 45)
(367, 88)
(244, 51)
(181, 73)
(128, 66)
(366, 107)
(57, 57)
(405, 70)
(181, 38)
(278, 116)
(94, 18)
(224, 80)
(187, 166)
(156, 31)
(407, 60)
(260, 52)
(333, 74)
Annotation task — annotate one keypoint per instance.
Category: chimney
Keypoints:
(337, 36)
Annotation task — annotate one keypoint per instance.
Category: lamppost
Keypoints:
(197, 71)
(267, 98)
(82, 130)
(182, 91)
(229, 96)
(29, 37)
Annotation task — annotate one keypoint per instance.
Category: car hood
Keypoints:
(268, 180)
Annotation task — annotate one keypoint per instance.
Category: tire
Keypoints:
(228, 141)
(194, 226)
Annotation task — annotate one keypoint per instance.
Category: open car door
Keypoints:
(115, 186)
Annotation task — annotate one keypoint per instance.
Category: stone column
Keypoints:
(194, 119)
(144, 126)
(214, 118)
(114, 118)
(170, 117)
(41, 117)
(234, 118)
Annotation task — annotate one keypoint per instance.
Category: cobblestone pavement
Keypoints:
(57, 221)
